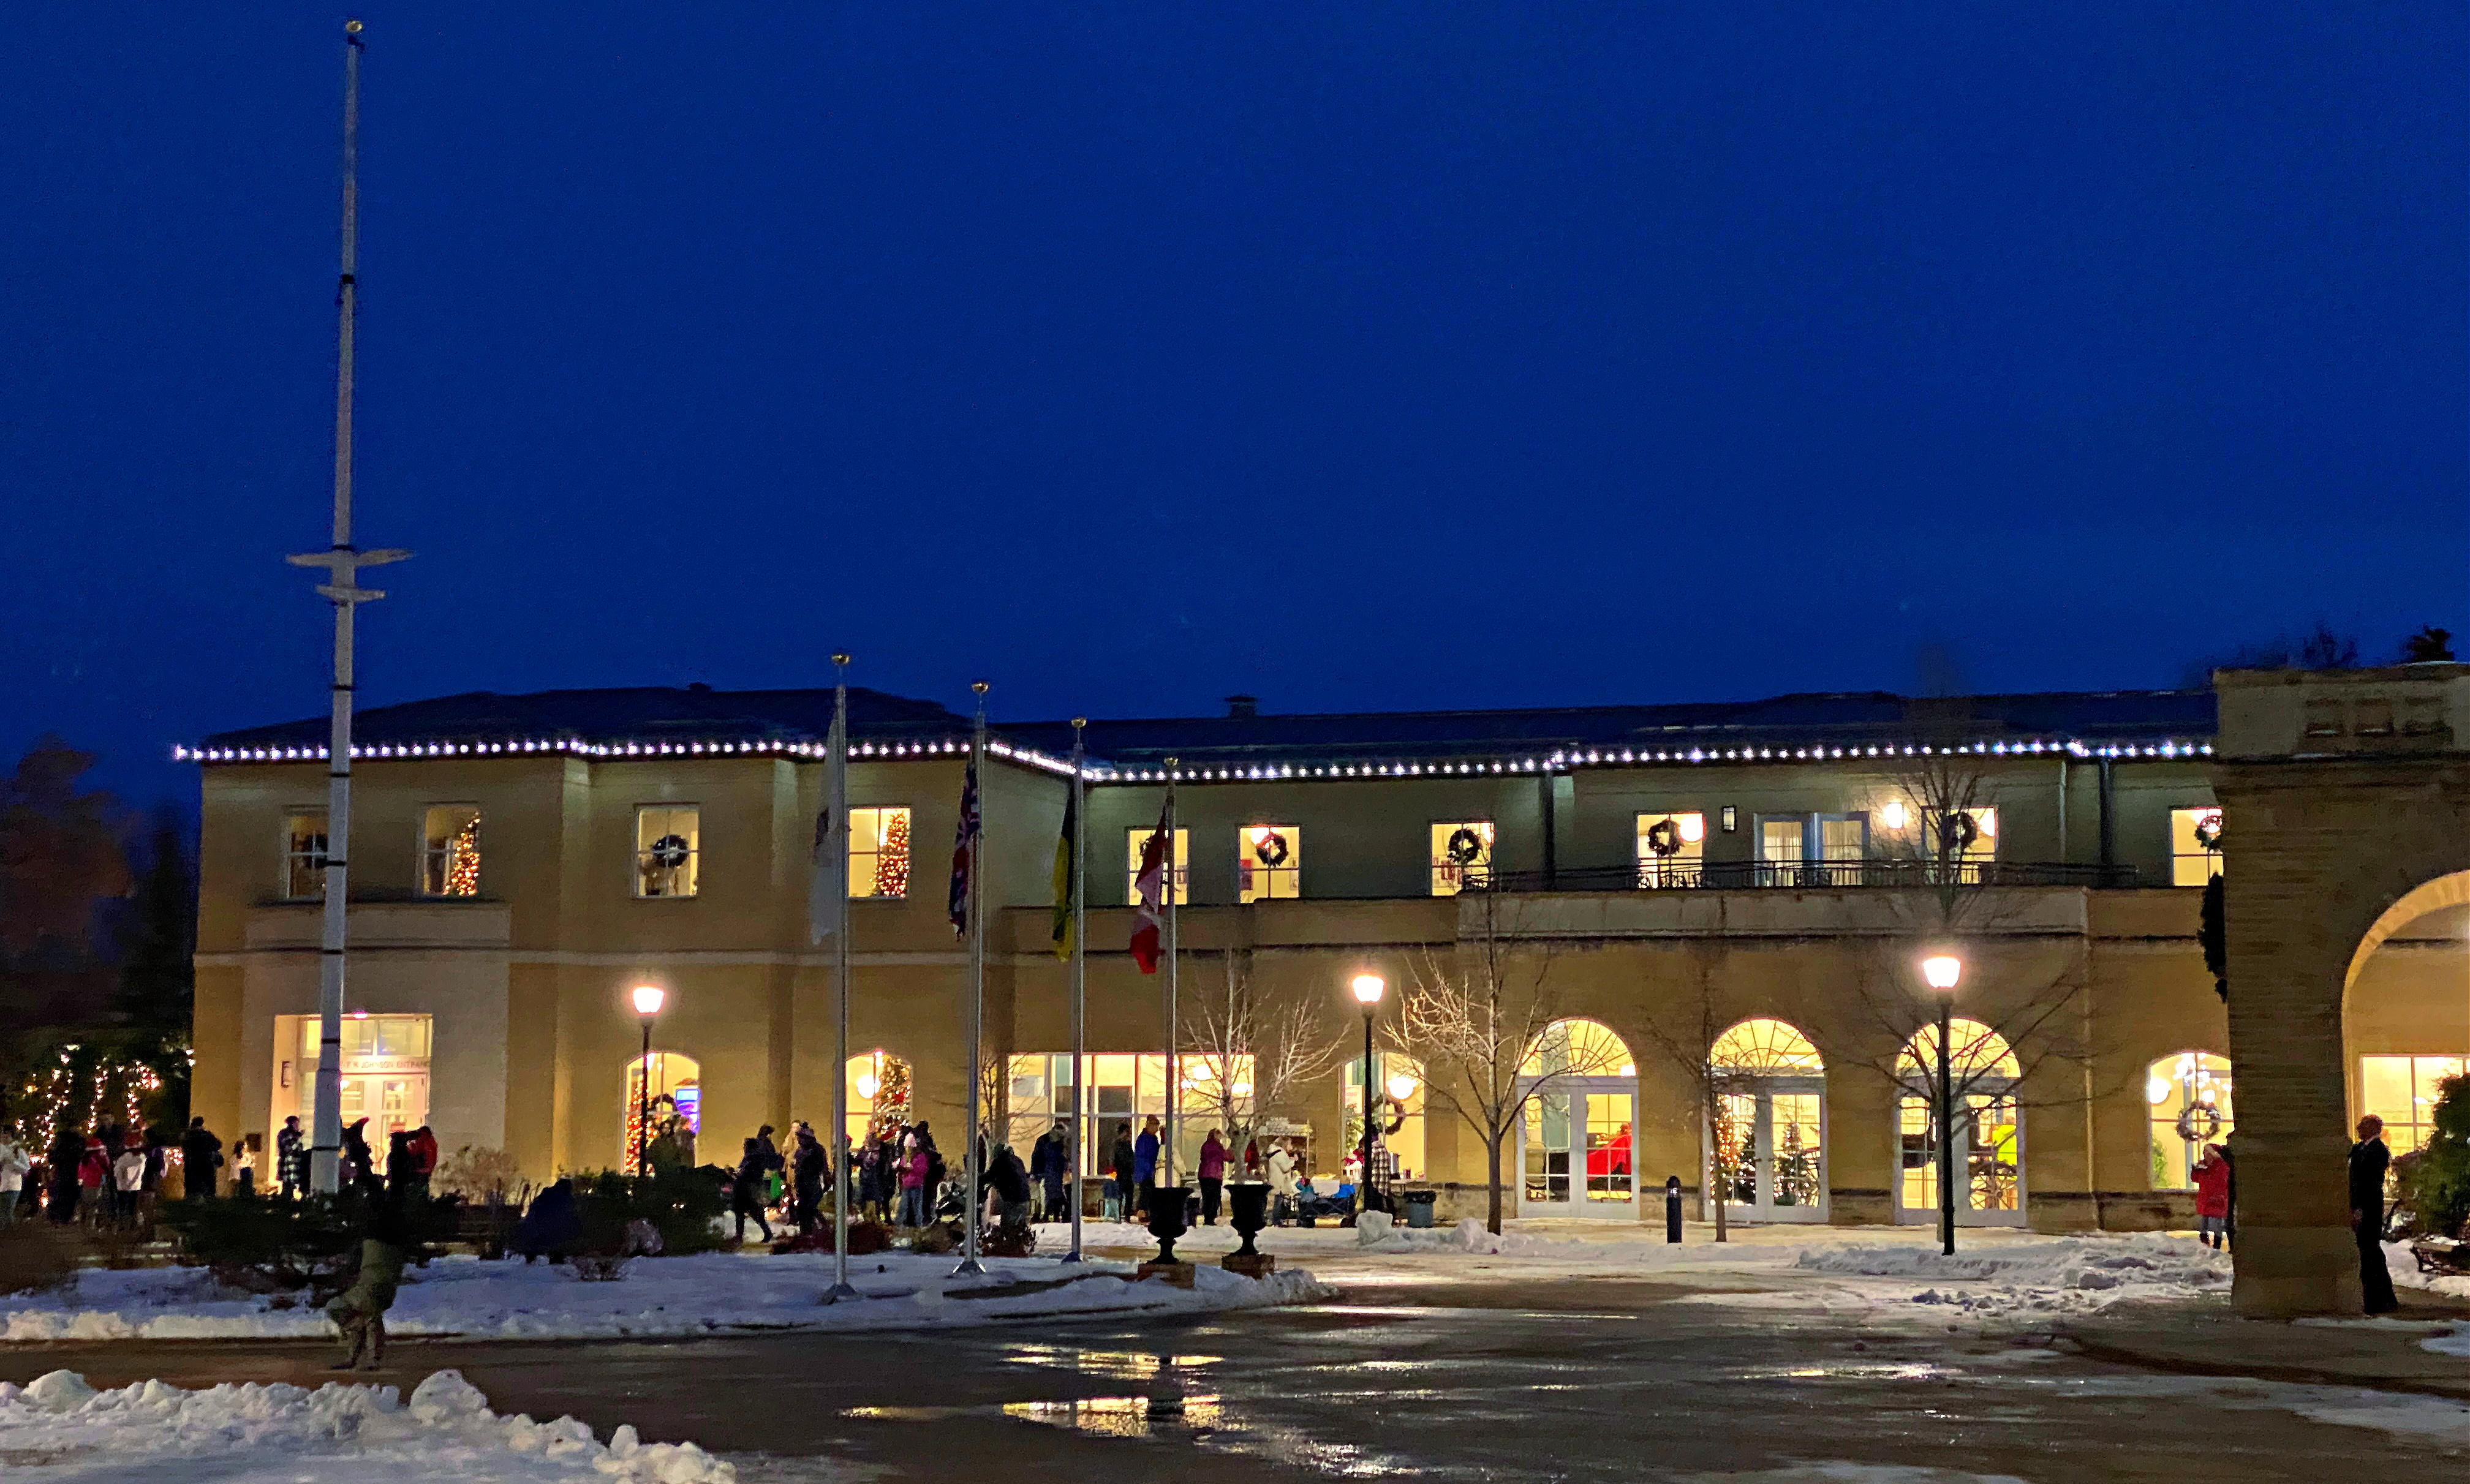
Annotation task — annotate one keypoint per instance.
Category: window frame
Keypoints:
(692, 866)
(2210, 860)
(909, 857)
(316, 872)
(1684, 868)
(1179, 869)
(1439, 861)
(420, 883)
(1246, 862)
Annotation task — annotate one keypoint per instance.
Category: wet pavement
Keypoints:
(1575, 1380)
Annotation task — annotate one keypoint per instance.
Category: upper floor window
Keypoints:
(304, 854)
(1672, 849)
(879, 853)
(1268, 863)
(449, 851)
(1812, 849)
(1461, 855)
(669, 850)
(2195, 845)
(1966, 834)
(1181, 871)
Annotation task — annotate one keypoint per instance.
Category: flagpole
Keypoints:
(1166, 1151)
(977, 899)
(1080, 979)
(841, 1150)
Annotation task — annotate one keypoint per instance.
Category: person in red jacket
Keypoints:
(422, 1145)
(2213, 1198)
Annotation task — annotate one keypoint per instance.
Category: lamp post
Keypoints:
(647, 1005)
(1368, 989)
(1942, 971)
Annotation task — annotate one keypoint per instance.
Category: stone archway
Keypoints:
(2345, 798)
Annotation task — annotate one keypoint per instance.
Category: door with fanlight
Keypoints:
(1989, 1132)
(1577, 1129)
(1766, 1132)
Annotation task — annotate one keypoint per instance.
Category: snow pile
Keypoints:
(446, 1431)
(2071, 1274)
(2403, 1264)
(1376, 1232)
(705, 1294)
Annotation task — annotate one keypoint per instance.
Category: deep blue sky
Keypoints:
(1356, 356)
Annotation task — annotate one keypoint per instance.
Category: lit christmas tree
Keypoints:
(891, 879)
(463, 860)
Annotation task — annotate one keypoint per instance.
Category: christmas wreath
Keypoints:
(1270, 849)
(2208, 831)
(1466, 847)
(1664, 837)
(2199, 1123)
(670, 850)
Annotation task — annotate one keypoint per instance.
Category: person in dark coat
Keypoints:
(746, 1190)
(200, 1153)
(2369, 1161)
(1050, 1163)
(807, 1162)
(1122, 1160)
(360, 1161)
(1007, 1186)
(291, 1159)
(402, 1166)
(66, 1153)
(551, 1227)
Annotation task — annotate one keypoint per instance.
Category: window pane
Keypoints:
(304, 855)
(1670, 848)
(668, 848)
(2191, 862)
(1461, 855)
(1269, 864)
(879, 853)
(1135, 840)
(449, 851)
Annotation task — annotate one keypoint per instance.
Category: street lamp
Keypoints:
(1368, 989)
(1942, 971)
(647, 1005)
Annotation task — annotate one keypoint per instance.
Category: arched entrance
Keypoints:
(1577, 1129)
(1988, 1136)
(2188, 1098)
(1766, 1141)
(676, 1106)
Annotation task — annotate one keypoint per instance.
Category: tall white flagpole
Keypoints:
(977, 903)
(1166, 1149)
(1080, 978)
(841, 1149)
(342, 588)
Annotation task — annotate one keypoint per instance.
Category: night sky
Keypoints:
(1354, 356)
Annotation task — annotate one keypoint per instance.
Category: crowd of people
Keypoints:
(112, 1177)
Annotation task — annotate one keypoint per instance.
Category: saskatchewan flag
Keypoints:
(1067, 877)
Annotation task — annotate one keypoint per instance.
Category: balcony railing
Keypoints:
(1806, 875)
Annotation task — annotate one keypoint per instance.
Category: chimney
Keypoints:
(1243, 707)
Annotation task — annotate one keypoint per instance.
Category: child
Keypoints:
(2213, 1198)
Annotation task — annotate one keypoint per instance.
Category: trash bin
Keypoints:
(1419, 1206)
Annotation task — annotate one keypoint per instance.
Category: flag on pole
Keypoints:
(821, 914)
(964, 835)
(1067, 879)
(1150, 884)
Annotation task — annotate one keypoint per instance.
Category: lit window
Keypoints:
(879, 853)
(2195, 845)
(2189, 1096)
(1672, 849)
(668, 848)
(1812, 849)
(1134, 841)
(2402, 1091)
(304, 855)
(1461, 855)
(1268, 863)
(449, 851)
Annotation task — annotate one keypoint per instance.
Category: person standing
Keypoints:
(2369, 1161)
(1281, 1169)
(1213, 1176)
(360, 1161)
(934, 1172)
(913, 1166)
(128, 1181)
(13, 1166)
(2213, 1197)
(1008, 1190)
(201, 1154)
(66, 1153)
(807, 1162)
(1050, 1162)
(1123, 1162)
(94, 1183)
(291, 1159)
(424, 1160)
(1145, 1160)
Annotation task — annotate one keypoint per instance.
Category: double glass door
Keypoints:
(1767, 1150)
(1988, 1160)
(1576, 1150)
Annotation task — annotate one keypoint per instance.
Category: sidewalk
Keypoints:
(2383, 1355)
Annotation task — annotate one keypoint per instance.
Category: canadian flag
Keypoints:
(1150, 885)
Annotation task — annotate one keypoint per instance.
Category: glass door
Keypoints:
(1576, 1153)
(1989, 1151)
(1768, 1152)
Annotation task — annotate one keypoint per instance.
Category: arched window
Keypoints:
(2189, 1098)
(1764, 1048)
(1976, 1053)
(1988, 1129)
(879, 1093)
(676, 1106)
(1579, 1048)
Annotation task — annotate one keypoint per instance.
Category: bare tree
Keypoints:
(1245, 1057)
(1478, 1023)
(1691, 1054)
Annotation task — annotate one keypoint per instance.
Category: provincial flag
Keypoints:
(965, 835)
(1067, 877)
(1150, 921)
(822, 908)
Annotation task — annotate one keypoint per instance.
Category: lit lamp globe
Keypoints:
(1368, 989)
(1942, 970)
(648, 999)
(868, 1086)
(1401, 1086)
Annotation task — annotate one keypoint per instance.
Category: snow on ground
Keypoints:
(60, 1429)
(657, 1297)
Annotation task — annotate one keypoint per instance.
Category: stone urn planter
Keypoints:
(1166, 1224)
(1247, 1205)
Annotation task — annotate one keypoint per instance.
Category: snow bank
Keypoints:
(658, 1297)
(153, 1430)
(2064, 1275)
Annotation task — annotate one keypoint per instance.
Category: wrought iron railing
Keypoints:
(1807, 876)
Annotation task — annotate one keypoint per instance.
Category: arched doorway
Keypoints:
(1988, 1135)
(879, 1090)
(1577, 1129)
(2188, 1097)
(676, 1106)
(1766, 1139)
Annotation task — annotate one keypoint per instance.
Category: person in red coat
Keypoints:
(2213, 1197)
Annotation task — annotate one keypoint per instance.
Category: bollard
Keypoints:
(1671, 1208)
